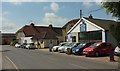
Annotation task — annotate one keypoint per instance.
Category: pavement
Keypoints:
(102, 58)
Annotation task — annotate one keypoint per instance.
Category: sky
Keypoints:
(15, 14)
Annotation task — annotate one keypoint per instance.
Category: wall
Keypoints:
(27, 39)
(89, 27)
(44, 43)
(19, 35)
(111, 39)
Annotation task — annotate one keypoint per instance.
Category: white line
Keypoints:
(12, 63)
(78, 66)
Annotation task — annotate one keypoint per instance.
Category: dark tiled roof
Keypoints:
(105, 24)
(57, 31)
(8, 35)
(28, 30)
(45, 35)
(72, 22)
(41, 31)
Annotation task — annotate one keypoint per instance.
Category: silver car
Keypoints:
(71, 46)
(55, 48)
(61, 49)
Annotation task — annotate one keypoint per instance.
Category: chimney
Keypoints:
(80, 14)
(50, 26)
(91, 17)
(32, 24)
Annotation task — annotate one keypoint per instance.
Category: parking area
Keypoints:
(100, 58)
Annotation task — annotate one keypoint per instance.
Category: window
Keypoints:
(50, 41)
(73, 38)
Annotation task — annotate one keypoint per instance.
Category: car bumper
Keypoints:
(116, 53)
(88, 53)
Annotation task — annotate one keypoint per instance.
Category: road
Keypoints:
(18, 58)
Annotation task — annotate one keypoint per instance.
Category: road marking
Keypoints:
(78, 66)
(12, 63)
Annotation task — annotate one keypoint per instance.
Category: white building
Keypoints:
(90, 29)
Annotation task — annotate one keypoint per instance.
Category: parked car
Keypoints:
(55, 48)
(79, 49)
(30, 46)
(97, 49)
(23, 45)
(17, 45)
(117, 51)
(61, 49)
(68, 49)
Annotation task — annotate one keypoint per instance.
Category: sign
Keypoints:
(83, 27)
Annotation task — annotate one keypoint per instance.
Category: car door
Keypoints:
(108, 48)
(102, 48)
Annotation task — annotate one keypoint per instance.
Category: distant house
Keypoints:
(7, 38)
(91, 29)
(40, 35)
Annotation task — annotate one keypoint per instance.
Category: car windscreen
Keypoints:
(75, 44)
(67, 44)
(94, 45)
(61, 44)
(81, 45)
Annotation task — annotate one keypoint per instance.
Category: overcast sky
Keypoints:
(17, 13)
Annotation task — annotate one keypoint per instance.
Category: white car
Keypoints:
(30, 46)
(17, 45)
(62, 48)
(117, 50)
(55, 48)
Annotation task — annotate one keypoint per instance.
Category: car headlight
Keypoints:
(90, 50)
(77, 50)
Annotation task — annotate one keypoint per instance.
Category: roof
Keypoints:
(7, 35)
(41, 32)
(105, 24)
(57, 30)
(74, 21)
(45, 35)
(28, 30)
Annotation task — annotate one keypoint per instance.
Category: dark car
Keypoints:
(79, 49)
(98, 48)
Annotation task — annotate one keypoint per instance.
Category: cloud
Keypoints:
(17, 3)
(88, 4)
(7, 25)
(54, 6)
(52, 18)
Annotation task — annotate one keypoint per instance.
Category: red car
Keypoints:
(98, 48)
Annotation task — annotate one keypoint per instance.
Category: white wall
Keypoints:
(28, 39)
(89, 27)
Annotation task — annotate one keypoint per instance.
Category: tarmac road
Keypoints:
(18, 58)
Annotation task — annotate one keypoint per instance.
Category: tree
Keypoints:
(114, 9)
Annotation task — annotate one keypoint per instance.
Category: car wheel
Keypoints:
(97, 54)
